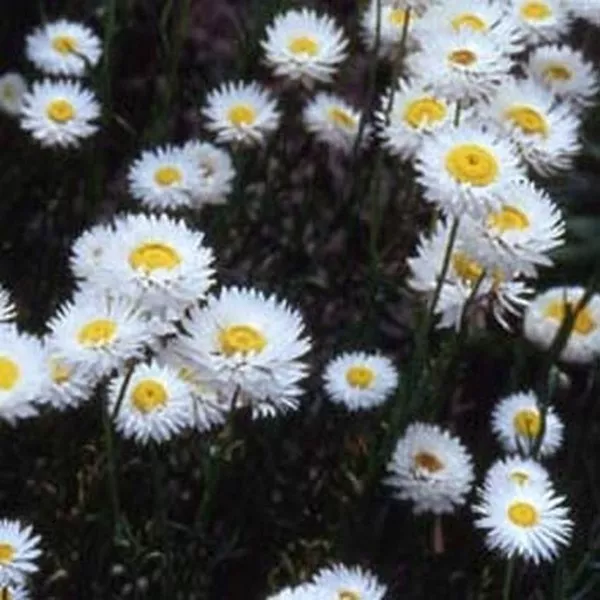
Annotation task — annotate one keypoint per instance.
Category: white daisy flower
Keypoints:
(98, 333)
(250, 346)
(360, 379)
(465, 169)
(302, 45)
(159, 262)
(156, 404)
(431, 468)
(19, 550)
(528, 521)
(63, 48)
(588, 10)
(517, 424)
(216, 172)
(21, 368)
(59, 113)
(548, 310)
(8, 310)
(164, 178)
(346, 583)
(461, 65)
(333, 121)
(517, 471)
(302, 592)
(540, 20)
(545, 130)
(414, 113)
(12, 89)
(241, 113)
(88, 251)
(565, 72)
(14, 591)
(502, 295)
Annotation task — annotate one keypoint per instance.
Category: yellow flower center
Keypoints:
(241, 339)
(99, 332)
(304, 45)
(584, 323)
(10, 373)
(508, 218)
(523, 514)
(557, 72)
(7, 553)
(65, 44)
(519, 477)
(397, 17)
(242, 115)
(5, 594)
(167, 176)
(148, 395)
(424, 111)
(360, 376)
(466, 268)
(151, 256)
(472, 164)
(527, 423)
(348, 595)
(462, 57)
(59, 372)
(428, 461)
(342, 118)
(535, 11)
(60, 110)
(470, 21)
(528, 119)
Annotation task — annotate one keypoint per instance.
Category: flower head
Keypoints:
(541, 21)
(346, 583)
(19, 550)
(12, 89)
(515, 470)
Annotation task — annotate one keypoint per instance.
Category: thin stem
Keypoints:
(124, 386)
(112, 483)
(508, 577)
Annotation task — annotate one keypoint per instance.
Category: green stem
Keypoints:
(508, 577)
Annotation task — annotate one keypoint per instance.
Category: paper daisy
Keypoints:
(8, 311)
(547, 311)
(544, 130)
(462, 65)
(360, 380)
(540, 20)
(527, 521)
(63, 48)
(59, 113)
(465, 169)
(164, 178)
(517, 424)
(565, 72)
(302, 45)
(302, 592)
(19, 550)
(333, 121)
(517, 471)
(431, 468)
(414, 113)
(14, 591)
(88, 251)
(21, 374)
(12, 89)
(241, 113)
(215, 170)
(250, 345)
(346, 583)
(98, 333)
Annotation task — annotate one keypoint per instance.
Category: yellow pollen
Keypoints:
(99, 332)
(528, 119)
(65, 44)
(535, 11)
(472, 164)
(151, 256)
(428, 462)
(348, 595)
(241, 339)
(149, 395)
(60, 111)
(242, 115)
(397, 17)
(167, 176)
(523, 514)
(508, 218)
(462, 57)
(470, 21)
(342, 118)
(59, 372)
(557, 72)
(304, 45)
(519, 477)
(9, 373)
(466, 268)
(584, 323)
(527, 423)
(424, 111)
(7, 553)
(360, 376)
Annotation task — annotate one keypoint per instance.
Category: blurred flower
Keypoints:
(588, 10)
(540, 20)
(12, 89)
(431, 468)
(63, 48)
(8, 310)
(88, 250)
(515, 470)
(302, 592)
(345, 583)
(19, 550)
(59, 113)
